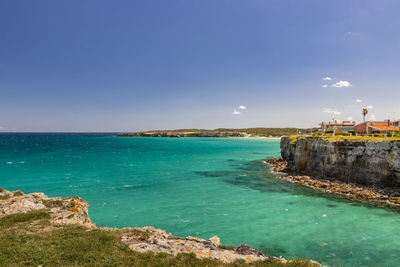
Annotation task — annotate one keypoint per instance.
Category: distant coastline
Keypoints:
(272, 133)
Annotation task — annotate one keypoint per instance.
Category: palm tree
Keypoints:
(364, 112)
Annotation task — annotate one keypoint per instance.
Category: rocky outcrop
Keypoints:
(372, 164)
(186, 134)
(73, 210)
(157, 240)
(278, 165)
(347, 190)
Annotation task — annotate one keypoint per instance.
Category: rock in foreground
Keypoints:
(71, 210)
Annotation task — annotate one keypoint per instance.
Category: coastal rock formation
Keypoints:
(186, 134)
(157, 240)
(73, 210)
(278, 165)
(347, 190)
(373, 164)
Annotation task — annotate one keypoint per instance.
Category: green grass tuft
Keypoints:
(10, 220)
(4, 197)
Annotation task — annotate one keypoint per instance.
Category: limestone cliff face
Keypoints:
(367, 163)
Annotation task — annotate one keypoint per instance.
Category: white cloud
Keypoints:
(341, 84)
(235, 112)
(331, 111)
(349, 118)
(370, 107)
(358, 100)
(2, 128)
(327, 79)
(372, 117)
(324, 86)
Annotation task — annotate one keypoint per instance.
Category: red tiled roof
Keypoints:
(385, 128)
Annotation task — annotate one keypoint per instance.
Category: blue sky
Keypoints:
(138, 65)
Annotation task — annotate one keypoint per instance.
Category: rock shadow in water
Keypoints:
(254, 175)
(274, 250)
(257, 176)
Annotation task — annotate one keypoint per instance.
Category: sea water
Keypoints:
(201, 187)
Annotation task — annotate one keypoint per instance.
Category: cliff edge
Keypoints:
(373, 164)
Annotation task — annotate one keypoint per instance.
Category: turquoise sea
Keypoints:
(201, 187)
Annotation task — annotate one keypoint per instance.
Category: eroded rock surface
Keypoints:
(150, 239)
(278, 165)
(70, 210)
(374, 164)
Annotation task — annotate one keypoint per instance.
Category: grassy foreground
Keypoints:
(28, 239)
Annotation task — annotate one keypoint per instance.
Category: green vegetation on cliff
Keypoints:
(361, 138)
(29, 239)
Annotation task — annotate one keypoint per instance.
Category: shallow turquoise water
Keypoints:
(201, 187)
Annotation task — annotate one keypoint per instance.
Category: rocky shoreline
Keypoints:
(375, 196)
(363, 163)
(74, 210)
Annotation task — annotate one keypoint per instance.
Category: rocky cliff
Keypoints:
(375, 164)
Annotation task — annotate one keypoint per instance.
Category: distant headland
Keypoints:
(221, 132)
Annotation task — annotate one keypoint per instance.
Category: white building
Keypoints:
(396, 123)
